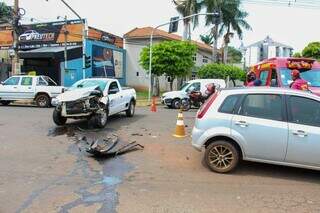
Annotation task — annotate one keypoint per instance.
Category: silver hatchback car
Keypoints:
(268, 125)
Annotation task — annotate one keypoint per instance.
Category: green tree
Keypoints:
(170, 58)
(228, 13)
(207, 39)
(187, 8)
(312, 50)
(234, 55)
(5, 12)
(233, 20)
(221, 71)
(297, 55)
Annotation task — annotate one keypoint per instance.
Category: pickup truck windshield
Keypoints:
(311, 76)
(89, 83)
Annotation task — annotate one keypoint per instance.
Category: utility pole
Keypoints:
(66, 32)
(15, 26)
(84, 36)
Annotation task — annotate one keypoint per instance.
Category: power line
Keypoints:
(305, 4)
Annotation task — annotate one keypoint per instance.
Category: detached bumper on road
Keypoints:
(196, 136)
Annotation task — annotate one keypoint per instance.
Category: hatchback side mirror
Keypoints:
(2, 83)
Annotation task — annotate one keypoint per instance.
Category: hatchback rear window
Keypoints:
(229, 104)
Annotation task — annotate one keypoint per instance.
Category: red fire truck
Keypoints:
(276, 72)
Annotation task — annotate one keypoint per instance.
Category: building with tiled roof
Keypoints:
(138, 38)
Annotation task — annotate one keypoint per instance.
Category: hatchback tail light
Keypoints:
(205, 107)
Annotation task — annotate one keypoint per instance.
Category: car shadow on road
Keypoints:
(276, 171)
(114, 123)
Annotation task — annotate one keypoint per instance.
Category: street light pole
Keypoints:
(65, 44)
(16, 60)
(151, 43)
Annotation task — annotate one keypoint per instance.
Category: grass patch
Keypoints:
(143, 95)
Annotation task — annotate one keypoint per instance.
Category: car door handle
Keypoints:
(29, 87)
(241, 123)
(300, 133)
(121, 96)
(15, 87)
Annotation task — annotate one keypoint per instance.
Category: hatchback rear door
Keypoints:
(260, 125)
(304, 131)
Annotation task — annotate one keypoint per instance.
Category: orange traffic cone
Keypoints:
(180, 131)
(153, 105)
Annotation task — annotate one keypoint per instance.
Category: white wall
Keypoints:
(252, 55)
(271, 51)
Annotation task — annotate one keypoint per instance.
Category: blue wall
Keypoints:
(74, 72)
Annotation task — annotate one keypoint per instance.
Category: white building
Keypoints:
(137, 39)
(265, 49)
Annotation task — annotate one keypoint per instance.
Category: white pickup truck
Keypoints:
(41, 89)
(94, 99)
(173, 99)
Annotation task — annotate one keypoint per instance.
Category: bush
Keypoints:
(221, 71)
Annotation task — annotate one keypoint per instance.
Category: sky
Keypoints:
(292, 26)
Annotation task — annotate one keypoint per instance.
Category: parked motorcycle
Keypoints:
(196, 99)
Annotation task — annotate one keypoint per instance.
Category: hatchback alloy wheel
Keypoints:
(221, 156)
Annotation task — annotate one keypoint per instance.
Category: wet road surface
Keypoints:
(44, 168)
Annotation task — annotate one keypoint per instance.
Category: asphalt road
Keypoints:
(45, 169)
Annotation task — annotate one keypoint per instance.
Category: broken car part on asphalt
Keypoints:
(108, 147)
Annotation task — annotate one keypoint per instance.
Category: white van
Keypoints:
(172, 99)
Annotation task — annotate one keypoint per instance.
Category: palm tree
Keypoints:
(233, 19)
(207, 39)
(187, 8)
(221, 7)
(5, 12)
(214, 6)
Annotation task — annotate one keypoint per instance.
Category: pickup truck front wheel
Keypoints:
(58, 119)
(130, 111)
(43, 100)
(100, 119)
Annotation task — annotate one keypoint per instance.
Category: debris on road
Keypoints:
(136, 134)
(108, 147)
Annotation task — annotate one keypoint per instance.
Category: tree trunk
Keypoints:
(215, 43)
(155, 86)
(171, 83)
(186, 32)
(225, 53)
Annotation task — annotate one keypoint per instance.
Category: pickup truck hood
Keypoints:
(315, 90)
(174, 94)
(75, 94)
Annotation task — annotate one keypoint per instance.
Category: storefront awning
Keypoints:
(52, 52)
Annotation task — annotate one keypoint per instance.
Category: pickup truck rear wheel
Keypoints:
(5, 103)
(58, 119)
(130, 111)
(43, 100)
(221, 156)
